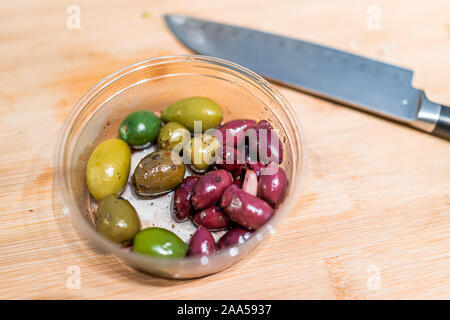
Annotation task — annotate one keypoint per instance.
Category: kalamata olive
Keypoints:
(173, 135)
(264, 144)
(202, 243)
(232, 237)
(200, 152)
(117, 220)
(157, 173)
(182, 207)
(256, 167)
(272, 187)
(185, 111)
(159, 242)
(233, 132)
(248, 211)
(250, 184)
(212, 218)
(209, 188)
(239, 180)
(250, 164)
(140, 128)
(229, 159)
(108, 168)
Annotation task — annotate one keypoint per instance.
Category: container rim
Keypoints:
(61, 169)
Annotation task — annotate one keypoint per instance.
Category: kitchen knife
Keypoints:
(373, 86)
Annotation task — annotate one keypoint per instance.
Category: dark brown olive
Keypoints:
(212, 218)
(182, 207)
(232, 237)
(209, 188)
(202, 243)
(157, 173)
(245, 209)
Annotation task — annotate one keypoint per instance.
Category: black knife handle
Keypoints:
(442, 129)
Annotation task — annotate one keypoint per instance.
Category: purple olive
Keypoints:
(232, 237)
(233, 132)
(209, 188)
(256, 167)
(264, 144)
(272, 187)
(212, 218)
(253, 165)
(245, 209)
(182, 207)
(229, 159)
(202, 243)
(239, 181)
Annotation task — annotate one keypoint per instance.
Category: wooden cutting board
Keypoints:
(372, 220)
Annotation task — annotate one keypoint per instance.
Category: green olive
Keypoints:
(188, 110)
(159, 242)
(201, 151)
(117, 220)
(157, 173)
(140, 128)
(108, 168)
(173, 134)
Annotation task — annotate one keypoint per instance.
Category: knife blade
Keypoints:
(346, 78)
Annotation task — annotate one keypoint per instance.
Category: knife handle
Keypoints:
(432, 117)
(442, 129)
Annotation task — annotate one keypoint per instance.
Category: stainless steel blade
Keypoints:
(360, 82)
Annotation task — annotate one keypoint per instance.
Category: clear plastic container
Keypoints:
(152, 85)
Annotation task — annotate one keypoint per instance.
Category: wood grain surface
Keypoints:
(372, 220)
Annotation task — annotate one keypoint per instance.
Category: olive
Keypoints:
(173, 134)
(182, 207)
(201, 151)
(232, 133)
(188, 110)
(108, 168)
(272, 185)
(212, 218)
(159, 242)
(140, 129)
(234, 236)
(264, 144)
(209, 188)
(117, 220)
(158, 172)
(202, 243)
(245, 209)
(256, 167)
(229, 159)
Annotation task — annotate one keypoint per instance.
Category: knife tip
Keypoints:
(174, 18)
(167, 18)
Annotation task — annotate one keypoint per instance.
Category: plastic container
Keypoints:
(152, 85)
